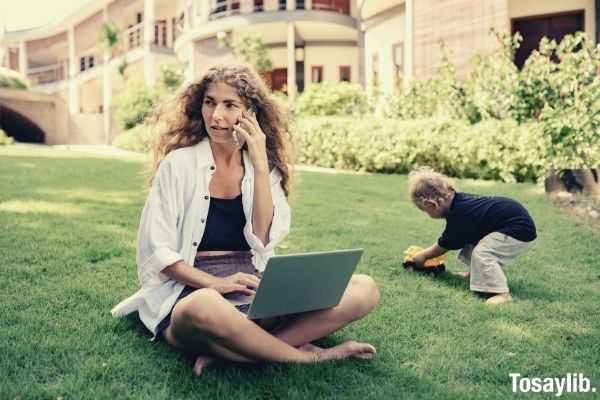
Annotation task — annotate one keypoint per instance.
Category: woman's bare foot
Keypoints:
(349, 349)
(463, 274)
(202, 362)
(500, 298)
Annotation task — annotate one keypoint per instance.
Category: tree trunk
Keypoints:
(589, 180)
(552, 182)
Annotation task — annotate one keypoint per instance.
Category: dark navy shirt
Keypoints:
(472, 217)
(225, 226)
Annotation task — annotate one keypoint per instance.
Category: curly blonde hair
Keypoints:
(184, 126)
(426, 184)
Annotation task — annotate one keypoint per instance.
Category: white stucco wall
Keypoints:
(331, 58)
(380, 39)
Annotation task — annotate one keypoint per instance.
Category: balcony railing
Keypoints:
(226, 8)
(48, 73)
(131, 39)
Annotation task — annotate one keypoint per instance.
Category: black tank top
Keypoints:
(225, 226)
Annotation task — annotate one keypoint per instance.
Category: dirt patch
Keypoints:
(582, 208)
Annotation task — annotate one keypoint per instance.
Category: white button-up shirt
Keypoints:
(173, 221)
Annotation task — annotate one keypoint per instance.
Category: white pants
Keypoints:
(487, 258)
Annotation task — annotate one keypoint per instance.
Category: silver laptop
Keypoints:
(295, 283)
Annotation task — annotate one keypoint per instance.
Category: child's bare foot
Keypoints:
(349, 349)
(202, 361)
(500, 298)
(311, 348)
(463, 274)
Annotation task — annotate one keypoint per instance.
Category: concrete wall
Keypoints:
(90, 96)
(331, 58)
(380, 38)
(87, 129)
(463, 25)
(520, 8)
(46, 111)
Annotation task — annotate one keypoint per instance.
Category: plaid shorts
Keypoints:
(220, 266)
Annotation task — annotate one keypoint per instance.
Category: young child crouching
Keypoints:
(489, 230)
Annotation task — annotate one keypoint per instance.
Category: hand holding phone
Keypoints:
(239, 139)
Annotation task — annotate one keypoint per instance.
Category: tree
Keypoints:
(250, 48)
(110, 37)
(570, 117)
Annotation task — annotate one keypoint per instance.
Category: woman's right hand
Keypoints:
(237, 283)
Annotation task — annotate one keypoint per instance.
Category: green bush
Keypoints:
(488, 150)
(5, 139)
(171, 76)
(140, 138)
(12, 83)
(332, 98)
(136, 103)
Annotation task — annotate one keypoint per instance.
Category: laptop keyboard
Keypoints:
(243, 308)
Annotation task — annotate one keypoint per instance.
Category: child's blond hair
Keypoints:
(426, 184)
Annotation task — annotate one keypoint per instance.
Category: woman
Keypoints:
(216, 210)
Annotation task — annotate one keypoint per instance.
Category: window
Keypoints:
(279, 79)
(139, 18)
(341, 6)
(344, 73)
(219, 6)
(160, 33)
(300, 5)
(282, 4)
(259, 5)
(554, 26)
(86, 62)
(316, 74)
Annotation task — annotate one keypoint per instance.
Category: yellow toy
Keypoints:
(433, 265)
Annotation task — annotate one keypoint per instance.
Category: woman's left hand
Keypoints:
(255, 138)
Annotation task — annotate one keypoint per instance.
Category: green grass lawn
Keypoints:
(68, 226)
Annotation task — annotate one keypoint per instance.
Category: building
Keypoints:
(402, 38)
(383, 43)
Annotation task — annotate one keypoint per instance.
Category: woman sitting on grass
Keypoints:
(216, 210)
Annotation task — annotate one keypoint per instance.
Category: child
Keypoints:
(489, 230)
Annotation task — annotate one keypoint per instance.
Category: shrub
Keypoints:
(136, 103)
(332, 98)
(488, 150)
(8, 82)
(171, 76)
(140, 138)
(5, 139)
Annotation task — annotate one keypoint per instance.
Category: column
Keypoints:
(290, 5)
(291, 61)
(149, 76)
(308, 4)
(73, 69)
(408, 43)
(362, 79)
(203, 10)
(23, 58)
(190, 72)
(106, 85)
